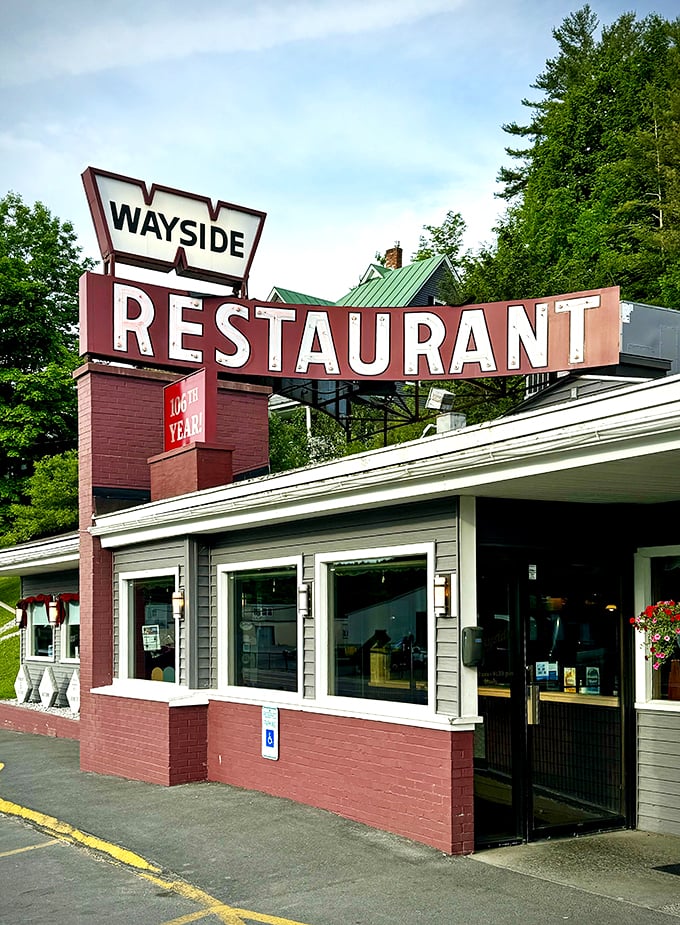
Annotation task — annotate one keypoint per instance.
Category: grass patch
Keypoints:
(10, 591)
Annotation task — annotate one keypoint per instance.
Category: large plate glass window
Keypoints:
(264, 628)
(40, 636)
(151, 628)
(378, 628)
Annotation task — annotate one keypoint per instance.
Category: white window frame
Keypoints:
(29, 633)
(365, 707)
(225, 664)
(642, 598)
(124, 617)
(63, 634)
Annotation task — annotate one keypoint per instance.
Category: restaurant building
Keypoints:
(432, 639)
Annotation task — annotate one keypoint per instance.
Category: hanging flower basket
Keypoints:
(660, 623)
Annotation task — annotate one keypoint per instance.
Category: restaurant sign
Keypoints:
(169, 328)
(161, 228)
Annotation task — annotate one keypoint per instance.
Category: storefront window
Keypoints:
(152, 628)
(264, 628)
(378, 619)
(666, 587)
(40, 635)
(71, 630)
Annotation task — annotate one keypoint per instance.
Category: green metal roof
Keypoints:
(397, 288)
(299, 298)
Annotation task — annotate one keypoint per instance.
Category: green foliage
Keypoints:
(52, 505)
(595, 191)
(446, 238)
(291, 446)
(40, 266)
(10, 592)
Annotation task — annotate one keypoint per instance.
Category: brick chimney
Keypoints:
(393, 257)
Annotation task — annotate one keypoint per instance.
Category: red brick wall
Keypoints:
(188, 469)
(121, 412)
(188, 729)
(23, 719)
(144, 740)
(410, 781)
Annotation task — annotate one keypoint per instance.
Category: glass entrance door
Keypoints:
(548, 756)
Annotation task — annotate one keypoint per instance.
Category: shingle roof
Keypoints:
(396, 288)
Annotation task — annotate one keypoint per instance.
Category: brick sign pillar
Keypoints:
(120, 429)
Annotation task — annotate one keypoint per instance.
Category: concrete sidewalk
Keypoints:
(286, 860)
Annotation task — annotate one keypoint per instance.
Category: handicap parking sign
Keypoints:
(270, 733)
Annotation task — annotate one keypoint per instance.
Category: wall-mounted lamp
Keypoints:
(441, 595)
(178, 604)
(20, 613)
(53, 613)
(303, 600)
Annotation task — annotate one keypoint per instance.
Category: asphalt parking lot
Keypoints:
(83, 848)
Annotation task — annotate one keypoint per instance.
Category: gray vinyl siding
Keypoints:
(206, 627)
(658, 772)
(156, 557)
(53, 583)
(394, 526)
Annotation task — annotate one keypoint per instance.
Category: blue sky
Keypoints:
(351, 123)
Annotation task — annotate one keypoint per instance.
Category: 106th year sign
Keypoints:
(169, 328)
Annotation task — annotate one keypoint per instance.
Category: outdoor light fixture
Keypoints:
(441, 595)
(20, 613)
(303, 600)
(178, 604)
(53, 613)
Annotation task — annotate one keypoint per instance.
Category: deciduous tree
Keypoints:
(40, 264)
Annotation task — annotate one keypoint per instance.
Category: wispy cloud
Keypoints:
(86, 38)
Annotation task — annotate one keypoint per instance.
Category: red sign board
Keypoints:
(188, 412)
(156, 326)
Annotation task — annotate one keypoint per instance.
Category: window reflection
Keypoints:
(72, 630)
(666, 587)
(265, 628)
(378, 611)
(41, 636)
(153, 629)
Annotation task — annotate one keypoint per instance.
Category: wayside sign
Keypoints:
(161, 228)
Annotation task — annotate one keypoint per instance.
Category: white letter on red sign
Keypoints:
(318, 326)
(382, 345)
(177, 327)
(239, 340)
(276, 317)
(577, 323)
(428, 348)
(124, 325)
(473, 322)
(520, 331)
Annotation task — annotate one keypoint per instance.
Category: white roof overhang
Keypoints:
(622, 447)
(51, 555)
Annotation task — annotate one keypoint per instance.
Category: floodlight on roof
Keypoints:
(439, 400)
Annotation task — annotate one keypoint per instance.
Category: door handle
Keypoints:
(533, 705)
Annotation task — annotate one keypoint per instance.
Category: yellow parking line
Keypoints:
(213, 906)
(191, 917)
(44, 844)
(68, 833)
(64, 832)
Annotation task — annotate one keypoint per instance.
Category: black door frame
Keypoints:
(512, 566)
